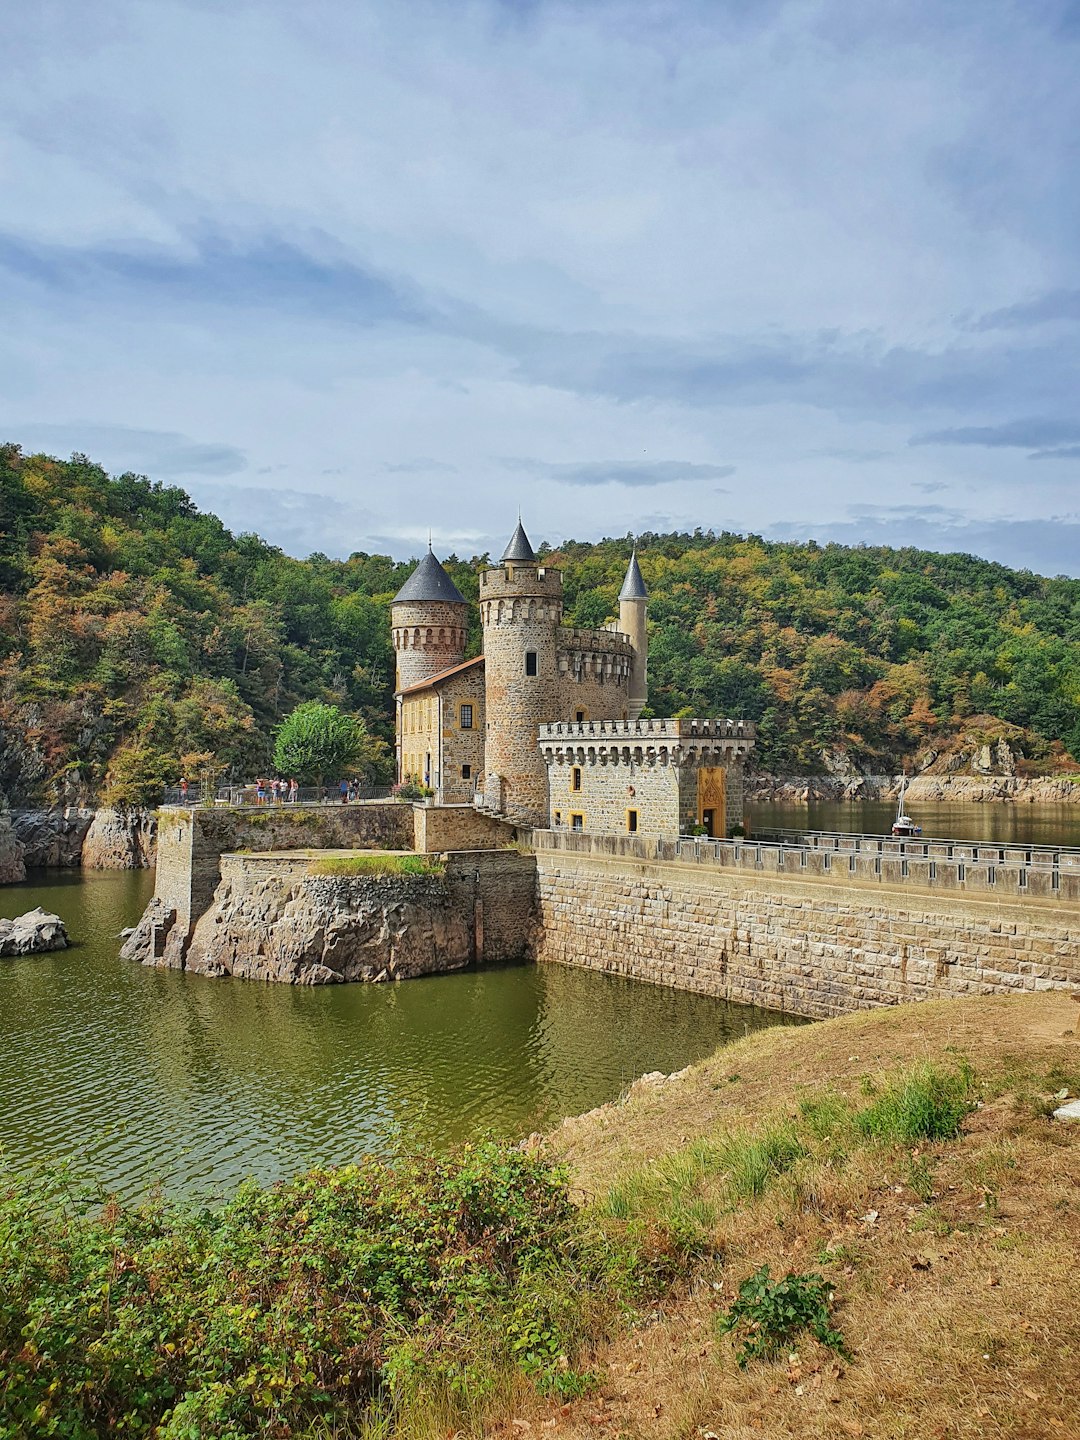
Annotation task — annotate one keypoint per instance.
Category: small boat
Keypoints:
(903, 825)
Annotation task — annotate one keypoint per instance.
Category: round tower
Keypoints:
(633, 607)
(428, 624)
(521, 610)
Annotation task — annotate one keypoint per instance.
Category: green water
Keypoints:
(1007, 823)
(143, 1075)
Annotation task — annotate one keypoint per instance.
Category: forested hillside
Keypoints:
(135, 629)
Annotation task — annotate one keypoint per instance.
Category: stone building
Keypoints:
(546, 728)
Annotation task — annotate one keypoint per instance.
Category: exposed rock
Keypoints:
(12, 866)
(304, 929)
(32, 933)
(120, 840)
(52, 838)
(148, 941)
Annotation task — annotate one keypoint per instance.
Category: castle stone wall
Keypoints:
(814, 947)
(521, 610)
(428, 637)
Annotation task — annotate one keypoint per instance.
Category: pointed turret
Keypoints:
(633, 608)
(427, 618)
(519, 551)
(429, 581)
(633, 587)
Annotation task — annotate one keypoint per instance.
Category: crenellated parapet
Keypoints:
(647, 742)
(603, 655)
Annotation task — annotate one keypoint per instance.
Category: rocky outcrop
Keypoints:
(52, 838)
(321, 930)
(120, 840)
(978, 790)
(802, 789)
(932, 787)
(12, 865)
(32, 933)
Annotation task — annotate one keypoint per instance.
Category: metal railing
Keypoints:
(249, 795)
(926, 847)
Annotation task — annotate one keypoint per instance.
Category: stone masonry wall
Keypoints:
(458, 827)
(810, 946)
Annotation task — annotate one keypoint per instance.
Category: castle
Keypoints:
(545, 728)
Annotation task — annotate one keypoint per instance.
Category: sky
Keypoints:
(351, 271)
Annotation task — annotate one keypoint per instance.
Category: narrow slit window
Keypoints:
(575, 778)
(530, 662)
(631, 822)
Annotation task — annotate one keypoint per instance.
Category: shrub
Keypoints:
(771, 1313)
(323, 1303)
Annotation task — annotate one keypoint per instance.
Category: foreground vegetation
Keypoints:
(850, 1228)
(136, 631)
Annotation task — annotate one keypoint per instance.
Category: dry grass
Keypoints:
(954, 1263)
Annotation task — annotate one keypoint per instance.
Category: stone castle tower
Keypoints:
(428, 618)
(521, 610)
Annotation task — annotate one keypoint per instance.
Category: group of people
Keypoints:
(276, 792)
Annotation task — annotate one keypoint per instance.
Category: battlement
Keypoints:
(574, 639)
(647, 731)
(514, 579)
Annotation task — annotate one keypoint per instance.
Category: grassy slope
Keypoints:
(960, 1303)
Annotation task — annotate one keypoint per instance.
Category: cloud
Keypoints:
(1044, 309)
(1034, 433)
(161, 454)
(1063, 452)
(1048, 546)
(263, 270)
(626, 472)
(298, 521)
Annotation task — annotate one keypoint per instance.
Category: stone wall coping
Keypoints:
(1040, 884)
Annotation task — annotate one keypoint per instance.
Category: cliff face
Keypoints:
(52, 838)
(120, 840)
(12, 866)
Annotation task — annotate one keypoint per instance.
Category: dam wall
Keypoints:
(816, 940)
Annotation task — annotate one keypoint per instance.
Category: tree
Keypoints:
(319, 742)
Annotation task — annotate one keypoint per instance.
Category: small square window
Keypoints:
(466, 717)
(530, 662)
(577, 822)
(557, 817)
(580, 717)
(466, 772)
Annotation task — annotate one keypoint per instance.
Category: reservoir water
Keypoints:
(140, 1075)
(1008, 823)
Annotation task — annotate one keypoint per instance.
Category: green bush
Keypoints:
(331, 1301)
(771, 1313)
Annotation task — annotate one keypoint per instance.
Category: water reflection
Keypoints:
(153, 1075)
(1003, 822)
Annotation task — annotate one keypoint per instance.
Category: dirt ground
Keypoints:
(955, 1266)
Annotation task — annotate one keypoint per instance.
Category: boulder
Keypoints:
(32, 933)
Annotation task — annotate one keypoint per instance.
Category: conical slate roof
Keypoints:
(519, 548)
(633, 587)
(429, 581)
